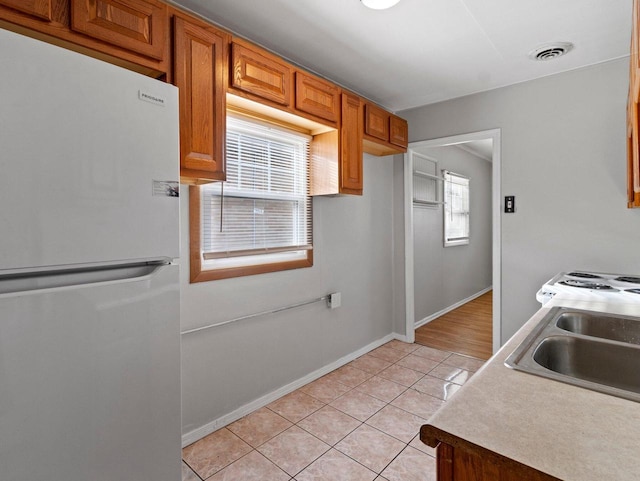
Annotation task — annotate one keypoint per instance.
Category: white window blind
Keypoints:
(456, 209)
(263, 209)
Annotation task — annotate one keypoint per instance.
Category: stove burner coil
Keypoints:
(629, 279)
(587, 285)
(584, 275)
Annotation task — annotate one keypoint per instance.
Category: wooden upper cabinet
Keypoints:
(633, 120)
(336, 155)
(350, 165)
(398, 131)
(261, 74)
(139, 26)
(200, 60)
(41, 9)
(130, 33)
(633, 194)
(634, 60)
(317, 97)
(384, 133)
(633, 160)
(376, 122)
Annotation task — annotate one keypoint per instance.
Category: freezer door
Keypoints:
(90, 380)
(89, 159)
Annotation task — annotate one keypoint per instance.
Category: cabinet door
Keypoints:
(634, 59)
(351, 145)
(633, 122)
(477, 464)
(139, 26)
(260, 75)
(37, 8)
(398, 131)
(630, 190)
(633, 172)
(317, 97)
(199, 72)
(376, 123)
(384, 133)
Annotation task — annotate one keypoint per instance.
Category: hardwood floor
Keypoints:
(467, 329)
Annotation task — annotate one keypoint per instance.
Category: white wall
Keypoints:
(444, 276)
(564, 158)
(227, 367)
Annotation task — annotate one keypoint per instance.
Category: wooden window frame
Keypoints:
(199, 274)
(198, 271)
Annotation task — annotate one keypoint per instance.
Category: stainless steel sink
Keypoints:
(600, 325)
(609, 364)
(592, 350)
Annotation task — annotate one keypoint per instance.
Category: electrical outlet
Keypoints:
(334, 300)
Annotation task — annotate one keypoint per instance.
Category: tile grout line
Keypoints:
(396, 457)
(387, 403)
(352, 389)
(192, 470)
(333, 446)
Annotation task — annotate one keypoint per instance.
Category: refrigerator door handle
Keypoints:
(74, 277)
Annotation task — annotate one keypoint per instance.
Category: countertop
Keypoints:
(562, 430)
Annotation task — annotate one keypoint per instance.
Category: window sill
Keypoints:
(198, 274)
(457, 243)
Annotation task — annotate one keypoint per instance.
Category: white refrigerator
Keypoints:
(89, 288)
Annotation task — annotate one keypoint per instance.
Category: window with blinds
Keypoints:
(262, 213)
(456, 209)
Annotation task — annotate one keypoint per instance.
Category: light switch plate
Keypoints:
(509, 204)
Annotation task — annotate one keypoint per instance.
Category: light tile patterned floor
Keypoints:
(357, 423)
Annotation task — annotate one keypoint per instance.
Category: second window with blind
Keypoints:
(260, 219)
(456, 209)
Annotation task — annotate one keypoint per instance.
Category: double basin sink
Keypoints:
(589, 349)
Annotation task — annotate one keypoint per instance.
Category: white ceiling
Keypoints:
(425, 51)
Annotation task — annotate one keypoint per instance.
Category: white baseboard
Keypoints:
(248, 408)
(430, 318)
(401, 337)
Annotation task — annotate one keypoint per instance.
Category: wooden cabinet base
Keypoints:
(459, 460)
(379, 148)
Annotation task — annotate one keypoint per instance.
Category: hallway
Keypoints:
(466, 330)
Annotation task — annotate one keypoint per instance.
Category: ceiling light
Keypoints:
(379, 4)
(551, 51)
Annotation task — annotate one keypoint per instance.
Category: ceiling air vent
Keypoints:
(551, 51)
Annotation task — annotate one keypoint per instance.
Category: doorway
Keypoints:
(465, 330)
(446, 264)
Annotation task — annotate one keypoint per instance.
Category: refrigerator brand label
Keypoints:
(149, 97)
(166, 188)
